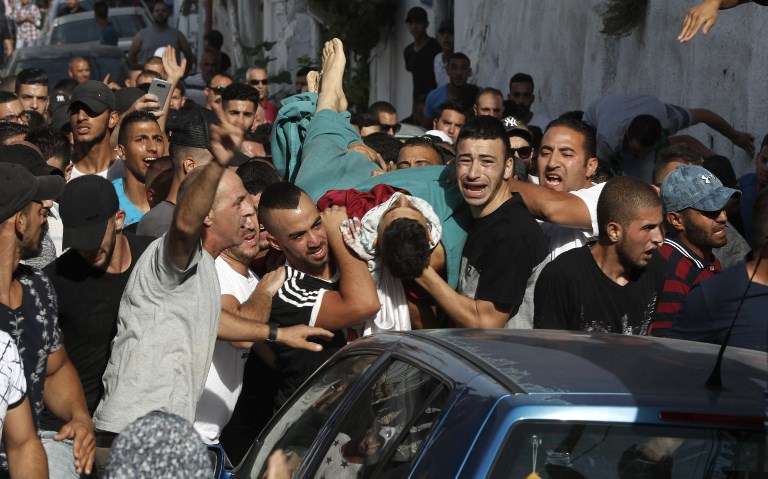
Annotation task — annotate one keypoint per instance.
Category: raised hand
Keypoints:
(174, 70)
(701, 17)
(333, 217)
(225, 138)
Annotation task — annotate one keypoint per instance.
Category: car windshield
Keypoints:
(581, 450)
(57, 68)
(87, 30)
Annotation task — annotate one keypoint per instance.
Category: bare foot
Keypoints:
(313, 82)
(331, 93)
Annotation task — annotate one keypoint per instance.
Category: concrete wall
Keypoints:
(560, 44)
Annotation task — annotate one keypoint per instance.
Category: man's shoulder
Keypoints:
(302, 290)
(572, 261)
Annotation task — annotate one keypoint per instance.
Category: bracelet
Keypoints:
(272, 333)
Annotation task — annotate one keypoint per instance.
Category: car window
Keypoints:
(88, 31)
(570, 449)
(302, 421)
(383, 432)
(57, 68)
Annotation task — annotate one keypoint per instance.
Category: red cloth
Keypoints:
(270, 111)
(357, 202)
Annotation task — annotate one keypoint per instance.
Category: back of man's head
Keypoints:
(278, 196)
(31, 76)
(645, 130)
(404, 248)
(257, 176)
(484, 127)
(10, 132)
(385, 145)
(621, 200)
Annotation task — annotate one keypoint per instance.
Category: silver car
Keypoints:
(82, 27)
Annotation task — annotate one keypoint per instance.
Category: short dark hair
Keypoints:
(424, 141)
(149, 73)
(278, 196)
(408, 255)
(458, 56)
(364, 119)
(101, 9)
(587, 132)
(384, 144)
(672, 154)
(453, 106)
(257, 176)
(522, 78)
(35, 121)
(622, 197)
(645, 130)
(572, 115)
(240, 92)
(489, 90)
(382, 107)
(9, 129)
(31, 76)
(7, 97)
(51, 143)
(214, 39)
(760, 222)
(131, 119)
(219, 74)
(484, 127)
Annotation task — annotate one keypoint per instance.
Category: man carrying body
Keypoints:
(521, 97)
(456, 90)
(258, 78)
(326, 285)
(32, 90)
(611, 286)
(79, 70)
(28, 313)
(694, 205)
(630, 128)
(504, 245)
(140, 142)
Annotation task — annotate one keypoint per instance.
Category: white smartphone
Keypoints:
(161, 89)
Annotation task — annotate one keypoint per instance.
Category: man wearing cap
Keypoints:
(89, 279)
(420, 55)
(694, 205)
(28, 312)
(92, 116)
(189, 150)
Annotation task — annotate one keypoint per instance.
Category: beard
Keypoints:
(32, 247)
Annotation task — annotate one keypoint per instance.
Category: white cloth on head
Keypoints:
(440, 134)
(393, 315)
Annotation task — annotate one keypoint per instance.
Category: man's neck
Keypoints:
(136, 191)
(324, 272)
(93, 157)
(173, 191)
(499, 199)
(703, 252)
(213, 245)
(121, 256)
(234, 263)
(10, 255)
(420, 41)
(761, 276)
(607, 260)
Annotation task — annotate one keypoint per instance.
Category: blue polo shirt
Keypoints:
(132, 214)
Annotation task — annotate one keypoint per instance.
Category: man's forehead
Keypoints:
(257, 73)
(481, 146)
(241, 105)
(452, 116)
(560, 136)
(521, 86)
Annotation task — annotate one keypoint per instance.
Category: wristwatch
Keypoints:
(272, 333)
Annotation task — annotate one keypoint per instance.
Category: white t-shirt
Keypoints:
(13, 386)
(115, 171)
(562, 238)
(225, 378)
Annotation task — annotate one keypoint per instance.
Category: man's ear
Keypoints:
(120, 151)
(273, 242)
(188, 164)
(434, 124)
(208, 220)
(675, 220)
(119, 220)
(114, 119)
(591, 166)
(474, 108)
(509, 167)
(614, 231)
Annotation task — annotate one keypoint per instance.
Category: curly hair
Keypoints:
(404, 248)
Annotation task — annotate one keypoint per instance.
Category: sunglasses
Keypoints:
(394, 128)
(259, 82)
(524, 152)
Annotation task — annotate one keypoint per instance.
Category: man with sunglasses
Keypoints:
(386, 114)
(215, 88)
(258, 78)
(520, 140)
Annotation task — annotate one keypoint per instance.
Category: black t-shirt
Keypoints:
(501, 251)
(89, 301)
(298, 302)
(573, 293)
(421, 64)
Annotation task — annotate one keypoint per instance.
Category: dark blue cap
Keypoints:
(693, 186)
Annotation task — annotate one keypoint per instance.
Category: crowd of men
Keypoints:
(153, 255)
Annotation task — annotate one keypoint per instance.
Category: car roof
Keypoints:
(67, 51)
(113, 12)
(565, 362)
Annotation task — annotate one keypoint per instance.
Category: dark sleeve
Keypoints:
(695, 322)
(555, 306)
(408, 56)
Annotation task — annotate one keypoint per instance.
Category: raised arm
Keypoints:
(742, 139)
(556, 207)
(198, 192)
(356, 300)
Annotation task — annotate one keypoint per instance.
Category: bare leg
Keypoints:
(331, 95)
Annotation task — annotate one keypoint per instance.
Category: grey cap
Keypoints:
(159, 444)
(692, 186)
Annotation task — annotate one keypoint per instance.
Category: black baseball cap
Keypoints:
(87, 204)
(18, 187)
(28, 157)
(95, 95)
(416, 15)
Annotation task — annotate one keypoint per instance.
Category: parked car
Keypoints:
(464, 403)
(82, 27)
(55, 5)
(54, 59)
